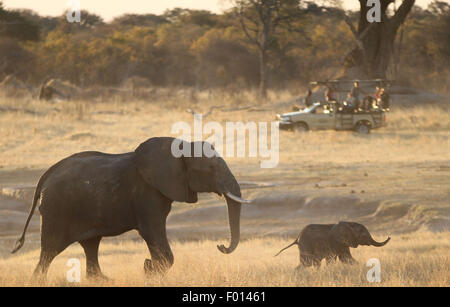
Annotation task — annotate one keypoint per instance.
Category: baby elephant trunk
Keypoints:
(379, 244)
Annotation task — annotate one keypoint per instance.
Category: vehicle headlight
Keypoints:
(282, 118)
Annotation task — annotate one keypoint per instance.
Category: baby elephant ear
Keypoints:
(162, 170)
(343, 234)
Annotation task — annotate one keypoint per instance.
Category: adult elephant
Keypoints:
(91, 195)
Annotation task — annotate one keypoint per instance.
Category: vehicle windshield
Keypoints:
(311, 108)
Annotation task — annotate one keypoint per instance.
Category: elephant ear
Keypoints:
(160, 169)
(343, 234)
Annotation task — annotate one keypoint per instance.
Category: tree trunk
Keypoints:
(263, 74)
(373, 61)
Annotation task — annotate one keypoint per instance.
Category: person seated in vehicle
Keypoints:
(368, 104)
(329, 94)
(385, 99)
(349, 105)
(318, 110)
(308, 98)
(354, 104)
(374, 105)
(377, 93)
(355, 92)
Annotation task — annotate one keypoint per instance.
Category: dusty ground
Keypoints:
(396, 181)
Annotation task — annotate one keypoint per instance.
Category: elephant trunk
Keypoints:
(379, 244)
(234, 214)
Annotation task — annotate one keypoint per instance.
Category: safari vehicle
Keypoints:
(334, 114)
(326, 116)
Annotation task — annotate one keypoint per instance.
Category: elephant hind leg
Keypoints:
(306, 260)
(45, 259)
(310, 260)
(48, 253)
(90, 247)
(52, 244)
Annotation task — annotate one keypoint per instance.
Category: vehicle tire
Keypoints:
(301, 128)
(362, 128)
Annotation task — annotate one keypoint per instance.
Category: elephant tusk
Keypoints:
(238, 199)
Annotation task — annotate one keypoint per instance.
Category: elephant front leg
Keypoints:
(162, 259)
(346, 257)
(151, 216)
(159, 248)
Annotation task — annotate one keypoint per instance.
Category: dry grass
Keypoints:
(36, 134)
(407, 164)
(408, 260)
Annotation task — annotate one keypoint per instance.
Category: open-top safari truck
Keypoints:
(335, 114)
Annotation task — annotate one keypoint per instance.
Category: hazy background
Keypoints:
(109, 9)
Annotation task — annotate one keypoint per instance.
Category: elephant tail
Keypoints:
(37, 195)
(21, 241)
(293, 243)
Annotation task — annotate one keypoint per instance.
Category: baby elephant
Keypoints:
(331, 241)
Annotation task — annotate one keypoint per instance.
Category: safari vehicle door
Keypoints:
(323, 117)
(379, 119)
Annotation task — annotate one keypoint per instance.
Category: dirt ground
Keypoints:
(395, 181)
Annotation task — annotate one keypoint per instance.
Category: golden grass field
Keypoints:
(412, 260)
(398, 178)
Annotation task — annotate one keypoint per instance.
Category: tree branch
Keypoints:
(358, 37)
(244, 27)
(350, 24)
(401, 14)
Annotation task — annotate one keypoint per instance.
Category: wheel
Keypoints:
(301, 128)
(363, 128)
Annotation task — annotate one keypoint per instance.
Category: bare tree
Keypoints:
(260, 20)
(375, 41)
